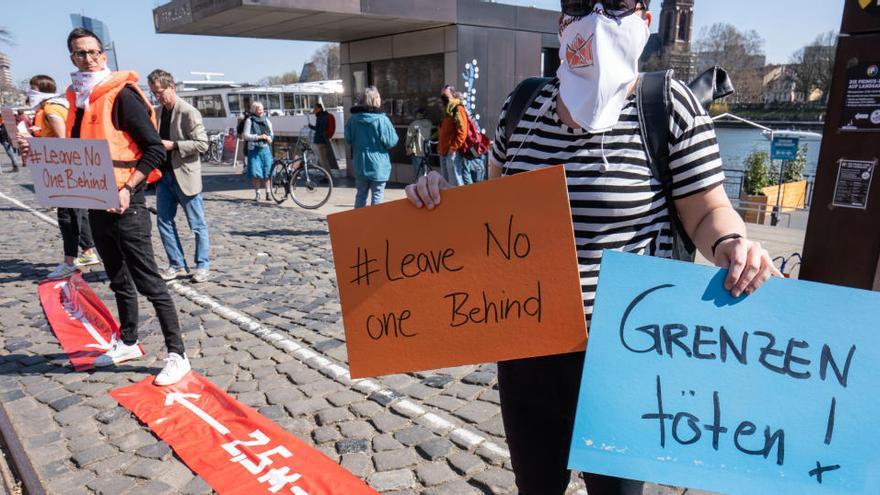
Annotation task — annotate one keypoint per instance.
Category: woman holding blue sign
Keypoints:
(589, 120)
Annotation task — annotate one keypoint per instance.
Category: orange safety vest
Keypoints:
(97, 123)
(38, 121)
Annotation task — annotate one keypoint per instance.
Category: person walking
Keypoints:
(473, 170)
(50, 121)
(418, 135)
(370, 133)
(577, 119)
(184, 138)
(6, 142)
(110, 106)
(452, 135)
(324, 127)
(258, 135)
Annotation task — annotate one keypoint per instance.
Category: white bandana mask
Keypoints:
(599, 61)
(34, 97)
(84, 82)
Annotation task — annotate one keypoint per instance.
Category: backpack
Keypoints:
(239, 128)
(654, 94)
(476, 144)
(330, 130)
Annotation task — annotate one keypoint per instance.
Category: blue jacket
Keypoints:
(370, 134)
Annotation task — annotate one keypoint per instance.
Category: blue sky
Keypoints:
(40, 30)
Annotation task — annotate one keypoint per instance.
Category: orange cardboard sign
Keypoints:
(489, 275)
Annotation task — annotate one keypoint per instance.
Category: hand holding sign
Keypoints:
(770, 393)
(490, 275)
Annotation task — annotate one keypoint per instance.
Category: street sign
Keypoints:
(683, 384)
(784, 148)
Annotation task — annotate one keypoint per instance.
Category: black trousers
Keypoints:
(76, 232)
(125, 245)
(538, 403)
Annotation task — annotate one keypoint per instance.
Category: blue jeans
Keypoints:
(474, 170)
(7, 146)
(168, 196)
(451, 167)
(364, 186)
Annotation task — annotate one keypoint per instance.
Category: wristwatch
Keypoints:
(128, 188)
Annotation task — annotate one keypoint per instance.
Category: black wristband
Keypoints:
(724, 238)
(128, 188)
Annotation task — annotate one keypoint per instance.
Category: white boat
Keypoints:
(289, 106)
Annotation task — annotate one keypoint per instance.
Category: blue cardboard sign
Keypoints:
(784, 148)
(776, 392)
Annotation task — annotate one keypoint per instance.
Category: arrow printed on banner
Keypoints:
(75, 312)
(181, 399)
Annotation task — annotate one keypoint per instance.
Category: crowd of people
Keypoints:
(585, 119)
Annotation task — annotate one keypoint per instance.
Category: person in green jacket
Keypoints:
(370, 133)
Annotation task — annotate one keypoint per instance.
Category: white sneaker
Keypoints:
(171, 273)
(176, 367)
(119, 352)
(87, 260)
(63, 270)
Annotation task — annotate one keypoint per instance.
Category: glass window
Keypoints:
(289, 103)
(275, 102)
(234, 103)
(210, 106)
(407, 84)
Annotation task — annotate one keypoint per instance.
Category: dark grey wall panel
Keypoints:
(434, 10)
(542, 21)
(495, 52)
(477, 13)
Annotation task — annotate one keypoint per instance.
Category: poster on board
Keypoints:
(73, 173)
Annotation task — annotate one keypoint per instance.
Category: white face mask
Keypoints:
(599, 62)
(34, 97)
(84, 82)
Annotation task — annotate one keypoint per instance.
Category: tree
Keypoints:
(5, 36)
(286, 78)
(326, 60)
(741, 53)
(812, 66)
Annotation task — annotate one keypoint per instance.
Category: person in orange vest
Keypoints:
(109, 105)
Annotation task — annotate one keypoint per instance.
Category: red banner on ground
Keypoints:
(81, 322)
(233, 447)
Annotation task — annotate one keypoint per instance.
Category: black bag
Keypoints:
(654, 96)
(239, 128)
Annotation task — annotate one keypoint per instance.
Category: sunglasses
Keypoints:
(580, 8)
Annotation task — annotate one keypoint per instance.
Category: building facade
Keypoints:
(670, 47)
(408, 49)
(6, 82)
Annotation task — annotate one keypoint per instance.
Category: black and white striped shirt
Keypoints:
(620, 206)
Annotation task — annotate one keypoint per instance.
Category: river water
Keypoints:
(736, 144)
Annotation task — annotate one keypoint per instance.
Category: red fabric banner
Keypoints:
(83, 325)
(233, 447)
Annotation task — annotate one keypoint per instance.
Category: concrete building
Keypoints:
(5, 72)
(408, 49)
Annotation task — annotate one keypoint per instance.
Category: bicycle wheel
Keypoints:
(311, 187)
(279, 182)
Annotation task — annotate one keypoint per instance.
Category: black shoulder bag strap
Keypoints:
(654, 95)
(521, 99)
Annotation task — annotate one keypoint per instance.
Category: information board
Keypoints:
(853, 183)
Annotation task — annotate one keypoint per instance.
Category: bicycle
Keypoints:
(299, 177)
(214, 153)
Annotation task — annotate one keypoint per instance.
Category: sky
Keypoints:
(40, 36)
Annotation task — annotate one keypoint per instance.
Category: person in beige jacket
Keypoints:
(184, 137)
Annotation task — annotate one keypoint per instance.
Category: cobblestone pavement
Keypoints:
(267, 329)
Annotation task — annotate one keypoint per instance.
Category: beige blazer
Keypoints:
(188, 131)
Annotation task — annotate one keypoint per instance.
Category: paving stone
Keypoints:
(197, 486)
(466, 464)
(356, 429)
(112, 484)
(178, 475)
(437, 381)
(477, 412)
(394, 459)
(365, 409)
(392, 480)
(158, 450)
(494, 480)
(387, 422)
(357, 464)
(457, 487)
(305, 406)
(240, 387)
(352, 445)
(445, 402)
(112, 415)
(480, 378)
(73, 415)
(385, 442)
(134, 440)
(333, 416)
(326, 434)
(435, 473)
(344, 397)
(54, 469)
(434, 448)
(147, 469)
(385, 397)
(85, 457)
(413, 435)
(152, 488)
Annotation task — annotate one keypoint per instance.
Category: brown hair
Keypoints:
(43, 83)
